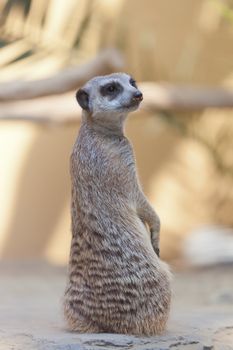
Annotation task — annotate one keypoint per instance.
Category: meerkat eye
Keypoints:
(111, 88)
(133, 83)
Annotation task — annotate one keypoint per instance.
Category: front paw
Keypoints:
(155, 241)
(157, 251)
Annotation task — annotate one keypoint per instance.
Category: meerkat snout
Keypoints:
(137, 96)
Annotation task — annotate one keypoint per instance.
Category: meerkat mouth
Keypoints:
(134, 104)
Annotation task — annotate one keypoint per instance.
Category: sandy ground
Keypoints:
(31, 312)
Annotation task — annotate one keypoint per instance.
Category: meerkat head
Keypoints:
(109, 96)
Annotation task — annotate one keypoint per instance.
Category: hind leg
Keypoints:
(80, 324)
(77, 321)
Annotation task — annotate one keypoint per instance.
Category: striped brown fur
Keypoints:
(116, 281)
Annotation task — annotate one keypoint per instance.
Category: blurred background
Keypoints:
(184, 158)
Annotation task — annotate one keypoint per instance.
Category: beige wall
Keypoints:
(34, 187)
(177, 174)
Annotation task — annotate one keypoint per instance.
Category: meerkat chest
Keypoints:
(119, 168)
(104, 163)
(121, 155)
(124, 151)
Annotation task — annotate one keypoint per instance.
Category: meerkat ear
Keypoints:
(82, 97)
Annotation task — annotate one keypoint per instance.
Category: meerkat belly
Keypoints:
(115, 258)
(116, 279)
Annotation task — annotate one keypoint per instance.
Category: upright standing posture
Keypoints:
(117, 283)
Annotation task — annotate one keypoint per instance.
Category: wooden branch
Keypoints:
(184, 98)
(106, 62)
(157, 97)
(50, 109)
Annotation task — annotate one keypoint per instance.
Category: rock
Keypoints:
(31, 317)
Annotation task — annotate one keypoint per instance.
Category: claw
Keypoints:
(157, 251)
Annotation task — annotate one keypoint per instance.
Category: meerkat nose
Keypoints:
(138, 96)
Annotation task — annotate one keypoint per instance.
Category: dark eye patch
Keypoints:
(111, 90)
(133, 83)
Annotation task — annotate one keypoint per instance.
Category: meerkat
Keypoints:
(116, 280)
